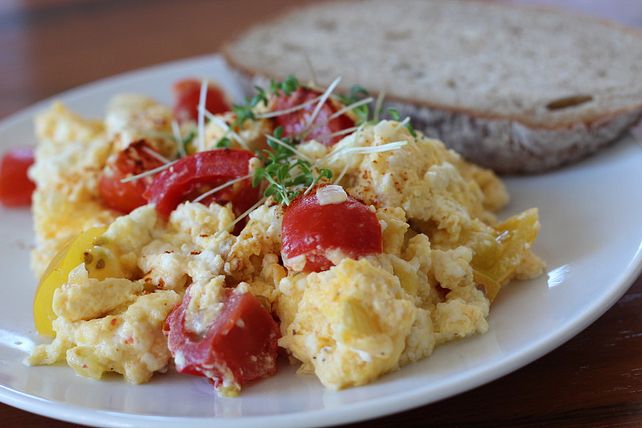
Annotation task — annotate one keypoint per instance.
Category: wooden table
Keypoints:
(47, 46)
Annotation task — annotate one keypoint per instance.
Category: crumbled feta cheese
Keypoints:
(331, 194)
(295, 264)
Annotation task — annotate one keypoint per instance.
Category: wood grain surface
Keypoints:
(48, 46)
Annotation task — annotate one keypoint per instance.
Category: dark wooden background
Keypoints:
(48, 46)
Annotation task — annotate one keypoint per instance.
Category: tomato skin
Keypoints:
(16, 187)
(242, 341)
(312, 229)
(193, 175)
(187, 93)
(296, 122)
(134, 160)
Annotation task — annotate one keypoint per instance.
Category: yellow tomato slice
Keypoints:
(71, 255)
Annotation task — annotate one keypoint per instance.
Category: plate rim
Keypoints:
(9, 120)
(352, 412)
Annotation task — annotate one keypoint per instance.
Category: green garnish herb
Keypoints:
(289, 85)
(286, 173)
(411, 129)
(357, 93)
(393, 113)
(187, 141)
(245, 111)
(223, 143)
(260, 97)
(242, 112)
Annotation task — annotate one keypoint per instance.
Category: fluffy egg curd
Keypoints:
(205, 241)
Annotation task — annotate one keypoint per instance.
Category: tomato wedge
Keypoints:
(241, 342)
(68, 258)
(194, 175)
(296, 123)
(187, 93)
(134, 160)
(312, 229)
(15, 186)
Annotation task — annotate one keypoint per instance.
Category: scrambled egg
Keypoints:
(348, 325)
(363, 318)
(71, 153)
(128, 340)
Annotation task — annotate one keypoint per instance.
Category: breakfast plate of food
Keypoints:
(302, 256)
(364, 307)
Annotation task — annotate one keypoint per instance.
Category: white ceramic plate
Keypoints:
(591, 238)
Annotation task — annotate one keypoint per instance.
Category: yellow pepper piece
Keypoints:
(102, 261)
(495, 266)
(357, 320)
(71, 255)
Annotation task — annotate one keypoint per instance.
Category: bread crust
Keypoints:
(511, 147)
(504, 144)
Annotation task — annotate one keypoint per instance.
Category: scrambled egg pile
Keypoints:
(445, 255)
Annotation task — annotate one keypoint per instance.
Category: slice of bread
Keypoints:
(514, 88)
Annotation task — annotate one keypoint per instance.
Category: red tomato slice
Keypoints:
(296, 122)
(187, 93)
(15, 186)
(194, 175)
(312, 230)
(134, 160)
(242, 341)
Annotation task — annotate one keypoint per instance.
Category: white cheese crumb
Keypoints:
(331, 194)
(179, 360)
(242, 288)
(365, 356)
(295, 264)
(311, 344)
